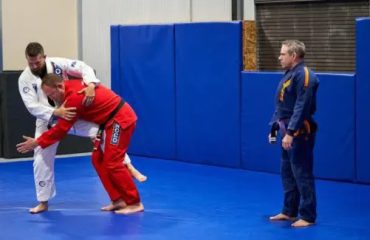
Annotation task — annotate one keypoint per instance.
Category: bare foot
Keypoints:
(138, 176)
(282, 217)
(114, 206)
(42, 207)
(136, 173)
(130, 209)
(301, 223)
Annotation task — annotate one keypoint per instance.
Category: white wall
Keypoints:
(52, 23)
(98, 16)
(206, 10)
(249, 10)
(55, 24)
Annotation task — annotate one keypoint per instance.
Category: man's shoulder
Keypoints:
(73, 86)
(300, 71)
(27, 76)
(56, 59)
(306, 74)
(56, 62)
(72, 97)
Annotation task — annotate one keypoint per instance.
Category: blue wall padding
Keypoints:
(195, 105)
(208, 65)
(335, 143)
(116, 81)
(258, 90)
(334, 150)
(143, 72)
(363, 99)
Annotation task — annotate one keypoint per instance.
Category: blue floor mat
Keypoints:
(182, 201)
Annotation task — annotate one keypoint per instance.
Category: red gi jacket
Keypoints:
(98, 112)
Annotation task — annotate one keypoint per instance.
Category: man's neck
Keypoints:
(296, 63)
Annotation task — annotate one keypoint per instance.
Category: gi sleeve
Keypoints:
(61, 128)
(29, 94)
(79, 69)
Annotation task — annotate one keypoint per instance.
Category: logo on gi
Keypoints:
(42, 183)
(26, 89)
(57, 70)
(115, 134)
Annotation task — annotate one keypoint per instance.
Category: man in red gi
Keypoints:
(117, 122)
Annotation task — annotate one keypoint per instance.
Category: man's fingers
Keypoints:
(21, 148)
(70, 109)
(19, 145)
(81, 91)
(70, 115)
(26, 146)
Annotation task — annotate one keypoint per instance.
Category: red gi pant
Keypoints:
(109, 165)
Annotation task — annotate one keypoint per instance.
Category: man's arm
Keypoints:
(68, 113)
(27, 145)
(62, 126)
(74, 69)
(53, 135)
(304, 97)
(28, 89)
(79, 69)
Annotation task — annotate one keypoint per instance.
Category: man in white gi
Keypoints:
(42, 108)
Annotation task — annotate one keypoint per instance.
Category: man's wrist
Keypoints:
(36, 143)
(92, 84)
(55, 113)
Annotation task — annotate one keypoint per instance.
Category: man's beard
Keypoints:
(40, 72)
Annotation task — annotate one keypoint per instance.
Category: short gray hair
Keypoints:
(295, 46)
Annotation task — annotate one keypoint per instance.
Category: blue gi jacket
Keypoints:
(296, 97)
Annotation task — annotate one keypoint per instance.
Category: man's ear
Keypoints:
(60, 86)
(294, 55)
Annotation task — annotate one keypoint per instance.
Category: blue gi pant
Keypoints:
(298, 180)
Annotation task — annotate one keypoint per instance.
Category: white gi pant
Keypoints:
(43, 165)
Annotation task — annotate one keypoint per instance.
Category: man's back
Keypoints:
(98, 112)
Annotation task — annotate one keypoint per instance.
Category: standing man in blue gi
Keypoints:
(295, 106)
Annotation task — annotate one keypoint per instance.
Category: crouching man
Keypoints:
(117, 122)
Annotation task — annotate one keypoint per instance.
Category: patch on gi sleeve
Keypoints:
(57, 70)
(116, 131)
(26, 89)
(42, 183)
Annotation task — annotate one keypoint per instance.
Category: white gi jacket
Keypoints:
(30, 85)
